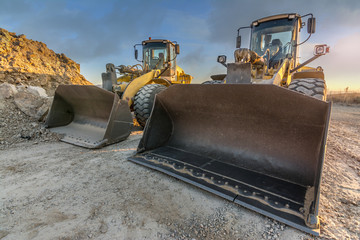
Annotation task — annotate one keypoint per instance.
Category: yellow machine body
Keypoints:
(92, 117)
(256, 135)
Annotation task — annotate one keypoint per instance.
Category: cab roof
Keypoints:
(275, 17)
(157, 41)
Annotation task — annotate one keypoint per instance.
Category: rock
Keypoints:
(7, 91)
(37, 91)
(44, 109)
(43, 80)
(17, 80)
(31, 104)
(103, 227)
(34, 124)
(26, 135)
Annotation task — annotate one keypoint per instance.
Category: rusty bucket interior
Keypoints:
(89, 116)
(261, 146)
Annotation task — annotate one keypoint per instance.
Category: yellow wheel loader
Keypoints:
(92, 117)
(258, 138)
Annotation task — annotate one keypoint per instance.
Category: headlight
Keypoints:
(221, 59)
(321, 49)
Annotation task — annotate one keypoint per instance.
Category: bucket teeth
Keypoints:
(227, 184)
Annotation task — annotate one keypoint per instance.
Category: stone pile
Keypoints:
(22, 112)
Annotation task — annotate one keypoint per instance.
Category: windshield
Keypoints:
(155, 55)
(274, 35)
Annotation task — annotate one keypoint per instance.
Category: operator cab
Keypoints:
(155, 55)
(274, 39)
(159, 54)
(273, 48)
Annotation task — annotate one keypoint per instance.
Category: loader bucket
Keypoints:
(261, 146)
(89, 116)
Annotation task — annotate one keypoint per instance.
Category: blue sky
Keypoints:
(94, 33)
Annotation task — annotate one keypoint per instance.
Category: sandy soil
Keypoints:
(53, 190)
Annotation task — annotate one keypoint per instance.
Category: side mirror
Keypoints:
(177, 48)
(311, 24)
(136, 54)
(238, 41)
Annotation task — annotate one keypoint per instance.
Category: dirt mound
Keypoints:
(27, 62)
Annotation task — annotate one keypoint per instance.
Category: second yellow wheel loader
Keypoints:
(92, 117)
(139, 84)
(257, 140)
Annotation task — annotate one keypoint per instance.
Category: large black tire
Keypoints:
(213, 82)
(313, 87)
(144, 101)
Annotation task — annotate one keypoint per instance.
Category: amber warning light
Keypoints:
(321, 49)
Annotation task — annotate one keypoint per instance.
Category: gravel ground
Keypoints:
(54, 190)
